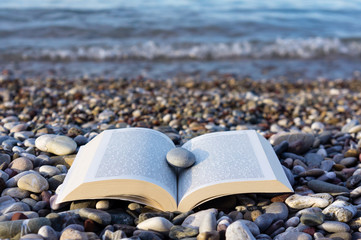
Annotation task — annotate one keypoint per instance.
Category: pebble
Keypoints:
(293, 236)
(209, 223)
(265, 220)
(314, 219)
(213, 235)
(47, 233)
(325, 187)
(356, 192)
(97, 216)
(179, 232)
(56, 181)
(73, 234)
(33, 182)
(109, 235)
(238, 230)
(313, 160)
(15, 192)
(195, 220)
(120, 217)
(317, 126)
(314, 200)
(340, 235)
(21, 164)
(346, 128)
(31, 236)
(48, 171)
(16, 207)
(334, 226)
(340, 210)
(292, 222)
(279, 209)
(56, 144)
(12, 229)
(103, 205)
(298, 142)
(180, 157)
(251, 226)
(348, 161)
(158, 224)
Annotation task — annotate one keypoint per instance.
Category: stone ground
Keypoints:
(314, 127)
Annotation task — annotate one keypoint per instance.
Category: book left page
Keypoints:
(132, 163)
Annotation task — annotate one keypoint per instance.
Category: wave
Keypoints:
(280, 48)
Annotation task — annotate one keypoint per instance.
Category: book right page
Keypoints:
(222, 157)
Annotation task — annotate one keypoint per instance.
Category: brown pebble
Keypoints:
(18, 216)
(281, 198)
(235, 215)
(89, 225)
(338, 167)
(35, 197)
(212, 235)
(352, 153)
(255, 214)
(309, 230)
(45, 196)
(21, 164)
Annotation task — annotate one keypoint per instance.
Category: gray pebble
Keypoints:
(334, 226)
(180, 157)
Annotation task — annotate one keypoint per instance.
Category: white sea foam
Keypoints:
(280, 48)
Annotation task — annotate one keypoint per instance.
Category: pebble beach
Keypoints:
(314, 127)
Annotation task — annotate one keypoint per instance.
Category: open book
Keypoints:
(130, 164)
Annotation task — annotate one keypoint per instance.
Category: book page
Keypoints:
(224, 157)
(135, 153)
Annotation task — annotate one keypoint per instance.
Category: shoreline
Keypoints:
(183, 109)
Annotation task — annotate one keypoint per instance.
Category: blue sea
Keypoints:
(162, 39)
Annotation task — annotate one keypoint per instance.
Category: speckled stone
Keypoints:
(340, 210)
(314, 200)
(179, 232)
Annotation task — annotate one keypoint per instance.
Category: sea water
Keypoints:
(162, 39)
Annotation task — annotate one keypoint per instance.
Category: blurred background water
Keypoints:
(161, 39)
